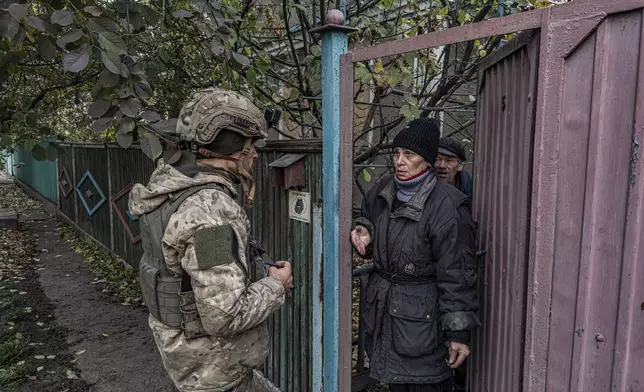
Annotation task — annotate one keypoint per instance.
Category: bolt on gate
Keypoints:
(560, 113)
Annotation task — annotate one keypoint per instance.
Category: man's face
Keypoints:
(447, 167)
(408, 164)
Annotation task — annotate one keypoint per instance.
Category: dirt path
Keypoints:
(66, 334)
(119, 352)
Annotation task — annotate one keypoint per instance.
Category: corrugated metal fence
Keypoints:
(94, 180)
(502, 197)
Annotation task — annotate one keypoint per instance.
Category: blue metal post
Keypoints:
(317, 347)
(334, 44)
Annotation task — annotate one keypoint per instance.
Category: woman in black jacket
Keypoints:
(421, 300)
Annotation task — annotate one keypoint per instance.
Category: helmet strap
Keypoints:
(245, 178)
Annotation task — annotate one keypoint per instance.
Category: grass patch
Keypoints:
(14, 348)
(15, 374)
(121, 281)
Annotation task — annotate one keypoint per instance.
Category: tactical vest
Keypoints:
(169, 298)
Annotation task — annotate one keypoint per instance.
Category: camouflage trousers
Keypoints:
(256, 382)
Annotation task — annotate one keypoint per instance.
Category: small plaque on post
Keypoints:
(299, 206)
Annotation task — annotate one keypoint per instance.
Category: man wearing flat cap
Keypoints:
(421, 300)
(449, 165)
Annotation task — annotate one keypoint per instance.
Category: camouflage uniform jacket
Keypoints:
(233, 310)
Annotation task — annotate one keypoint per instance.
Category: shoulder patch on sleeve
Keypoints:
(215, 246)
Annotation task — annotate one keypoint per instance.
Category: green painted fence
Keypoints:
(39, 175)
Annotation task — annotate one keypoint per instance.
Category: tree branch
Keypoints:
(48, 90)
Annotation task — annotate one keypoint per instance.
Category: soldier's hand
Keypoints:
(361, 239)
(283, 273)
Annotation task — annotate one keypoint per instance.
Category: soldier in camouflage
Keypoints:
(206, 314)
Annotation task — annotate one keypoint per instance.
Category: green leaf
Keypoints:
(151, 15)
(217, 48)
(127, 125)
(409, 111)
(264, 64)
(138, 70)
(251, 76)
(181, 14)
(163, 55)
(142, 89)
(224, 30)
(130, 107)
(8, 26)
(97, 91)
(239, 61)
(26, 103)
(32, 119)
(316, 50)
(112, 43)
(366, 175)
(5, 141)
(108, 79)
(124, 91)
(37, 23)
(18, 116)
(111, 62)
(18, 11)
(46, 48)
(102, 124)
(166, 126)
(363, 74)
(62, 17)
(51, 153)
(93, 10)
(77, 60)
(151, 146)
(125, 71)
(101, 25)
(151, 116)
(308, 118)
(99, 108)
(39, 153)
(124, 139)
(69, 37)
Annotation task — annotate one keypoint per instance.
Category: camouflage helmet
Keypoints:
(212, 110)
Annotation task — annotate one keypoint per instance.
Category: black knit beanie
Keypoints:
(420, 136)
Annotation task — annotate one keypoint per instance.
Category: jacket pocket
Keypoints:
(148, 279)
(414, 329)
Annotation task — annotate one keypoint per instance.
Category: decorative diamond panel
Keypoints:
(83, 198)
(65, 183)
(127, 222)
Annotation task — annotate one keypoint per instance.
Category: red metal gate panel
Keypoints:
(502, 195)
(600, 87)
(586, 313)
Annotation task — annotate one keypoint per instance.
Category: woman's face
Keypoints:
(408, 164)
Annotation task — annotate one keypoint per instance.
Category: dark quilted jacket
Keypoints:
(425, 279)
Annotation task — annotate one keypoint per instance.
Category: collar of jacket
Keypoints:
(412, 209)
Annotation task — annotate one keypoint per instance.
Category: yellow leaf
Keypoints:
(366, 175)
(378, 68)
